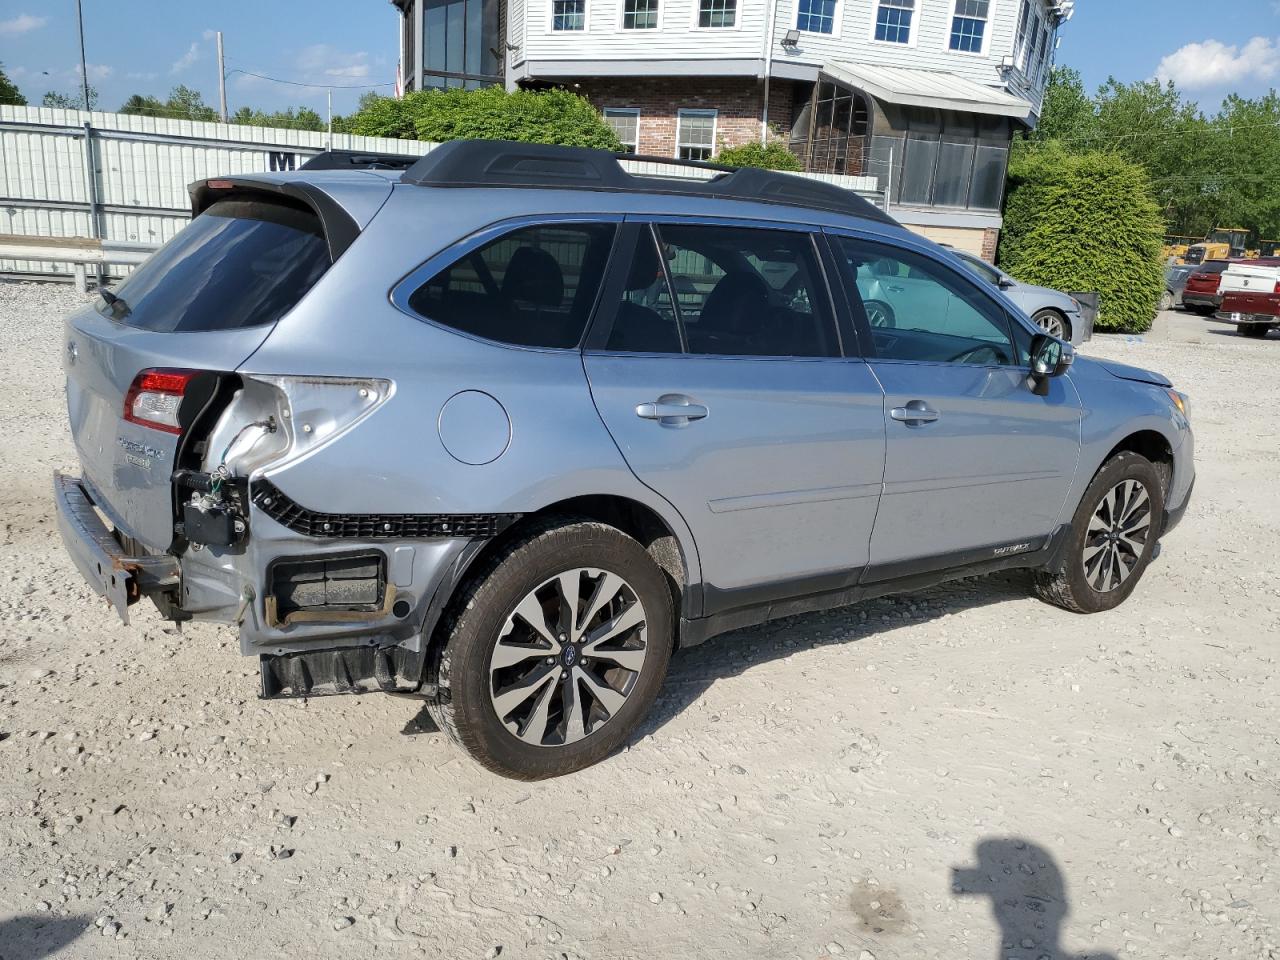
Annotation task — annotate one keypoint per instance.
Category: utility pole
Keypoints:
(84, 67)
(329, 93)
(222, 79)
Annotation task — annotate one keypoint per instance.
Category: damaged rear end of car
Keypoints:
(182, 452)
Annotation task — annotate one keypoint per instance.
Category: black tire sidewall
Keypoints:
(465, 662)
(1125, 466)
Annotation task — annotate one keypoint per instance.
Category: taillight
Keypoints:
(154, 398)
(1277, 289)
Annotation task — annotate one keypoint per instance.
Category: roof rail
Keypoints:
(503, 163)
(359, 160)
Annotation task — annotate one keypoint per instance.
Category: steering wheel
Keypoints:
(980, 355)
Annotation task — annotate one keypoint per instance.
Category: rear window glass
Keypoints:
(533, 287)
(239, 264)
(1214, 266)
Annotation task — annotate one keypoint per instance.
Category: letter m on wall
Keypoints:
(283, 161)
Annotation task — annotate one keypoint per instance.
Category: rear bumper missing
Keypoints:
(101, 559)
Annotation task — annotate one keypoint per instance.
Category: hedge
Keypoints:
(772, 156)
(491, 113)
(1086, 222)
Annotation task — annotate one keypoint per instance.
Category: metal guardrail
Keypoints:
(81, 252)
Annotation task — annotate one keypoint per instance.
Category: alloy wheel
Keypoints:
(568, 657)
(1117, 535)
(1051, 324)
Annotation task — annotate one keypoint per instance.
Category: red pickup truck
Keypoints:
(1201, 291)
(1251, 297)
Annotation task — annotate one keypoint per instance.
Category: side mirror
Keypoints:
(1006, 283)
(1050, 357)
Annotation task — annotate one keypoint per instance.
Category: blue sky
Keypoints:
(147, 46)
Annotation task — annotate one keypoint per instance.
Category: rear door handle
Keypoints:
(915, 413)
(672, 410)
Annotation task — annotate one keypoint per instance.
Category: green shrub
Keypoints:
(1086, 222)
(542, 116)
(773, 155)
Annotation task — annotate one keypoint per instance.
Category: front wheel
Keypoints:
(1113, 536)
(555, 652)
(1052, 323)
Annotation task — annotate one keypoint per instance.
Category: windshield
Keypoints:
(981, 268)
(241, 263)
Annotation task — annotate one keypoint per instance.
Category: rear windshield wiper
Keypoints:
(118, 305)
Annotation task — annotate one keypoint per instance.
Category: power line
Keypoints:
(316, 86)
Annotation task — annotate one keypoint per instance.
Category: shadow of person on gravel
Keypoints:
(1028, 898)
(32, 938)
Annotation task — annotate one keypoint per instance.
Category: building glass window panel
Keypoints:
(955, 166)
(718, 13)
(1020, 44)
(987, 189)
(918, 170)
(569, 14)
(640, 15)
(695, 134)
(626, 124)
(816, 16)
(969, 25)
(893, 20)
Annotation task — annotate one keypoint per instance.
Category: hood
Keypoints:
(1048, 293)
(1137, 374)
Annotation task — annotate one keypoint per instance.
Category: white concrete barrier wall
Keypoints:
(141, 167)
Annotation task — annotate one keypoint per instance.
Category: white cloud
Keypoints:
(1199, 66)
(141, 75)
(97, 72)
(322, 62)
(187, 59)
(213, 34)
(22, 23)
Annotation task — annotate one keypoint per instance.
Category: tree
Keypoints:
(183, 104)
(1245, 185)
(1086, 221)
(9, 93)
(773, 155)
(491, 113)
(55, 99)
(1068, 112)
(302, 118)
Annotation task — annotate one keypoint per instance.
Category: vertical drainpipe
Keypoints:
(91, 190)
(768, 68)
(420, 44)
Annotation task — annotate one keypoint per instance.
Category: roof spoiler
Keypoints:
(503, 163)
(359, 160)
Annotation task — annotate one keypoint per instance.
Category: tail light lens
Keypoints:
(154, 398)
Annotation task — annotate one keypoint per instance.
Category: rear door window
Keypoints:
(532, 287)
(241, 263)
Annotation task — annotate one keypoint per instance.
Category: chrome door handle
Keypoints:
(671, 410)
(914, 413)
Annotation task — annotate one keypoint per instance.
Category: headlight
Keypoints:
(1181, 401)
(1075, 303)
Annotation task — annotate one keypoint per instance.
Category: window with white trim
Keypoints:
(568, 14)
(625, 122)
(640, 15)
(718, 13)
(1020, 44)
(695, 134)
(1041, 55)
(893, 20)
(816, 16)
(969, 25)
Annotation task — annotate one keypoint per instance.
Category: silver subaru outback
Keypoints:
(502, 427)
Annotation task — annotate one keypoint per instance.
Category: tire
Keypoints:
(1166, 301)
(1081, 583)
(508, 689)
(1052, 323)
(1204, 311)
(879, 314)
(1255, 331)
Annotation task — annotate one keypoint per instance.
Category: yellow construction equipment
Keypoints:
(1177, 247)
(1222, 244)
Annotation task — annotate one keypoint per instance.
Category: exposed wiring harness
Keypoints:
(222, 473)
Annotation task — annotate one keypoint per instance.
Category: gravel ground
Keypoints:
(809, 788)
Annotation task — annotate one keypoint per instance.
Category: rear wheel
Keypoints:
(880, 314)
(1113, 535)
(1052, 323)
(1166, 301)
(1204, 311)
(1255, 330)
(555, 652)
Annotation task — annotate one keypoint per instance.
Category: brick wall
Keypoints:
(990, 243)
(736, 101)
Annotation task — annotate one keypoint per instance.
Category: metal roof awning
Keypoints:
(928, 88)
